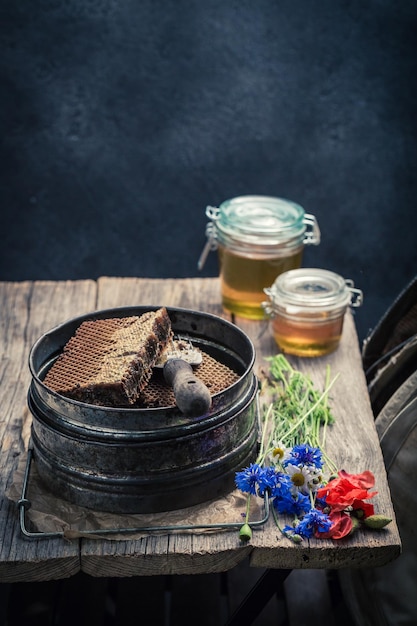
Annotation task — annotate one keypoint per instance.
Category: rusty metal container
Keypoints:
(145, 460)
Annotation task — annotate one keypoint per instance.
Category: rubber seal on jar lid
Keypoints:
(311, 288)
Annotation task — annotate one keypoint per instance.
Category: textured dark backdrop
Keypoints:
(122, 120)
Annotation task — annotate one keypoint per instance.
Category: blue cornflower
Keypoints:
(267, 480)
(295, 505)
(313, 521)
(321, 503)
(291, 533)
(303, 454)
(249, 478)
(282, 482)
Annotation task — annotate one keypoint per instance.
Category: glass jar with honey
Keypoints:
(307, 309)
(257, 238)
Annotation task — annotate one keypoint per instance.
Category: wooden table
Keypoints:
(28, 309)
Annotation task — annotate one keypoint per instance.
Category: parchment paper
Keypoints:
(48, 513)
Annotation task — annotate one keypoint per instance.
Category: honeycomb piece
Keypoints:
(215, 375)
(109, 361)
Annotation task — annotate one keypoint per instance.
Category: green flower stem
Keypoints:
(245, 532)
(261, 455)
(276, 520)
(331, 465)
(303, 418)
(247, 509)
(298, 413)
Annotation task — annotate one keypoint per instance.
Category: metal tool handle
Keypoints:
(191, 395)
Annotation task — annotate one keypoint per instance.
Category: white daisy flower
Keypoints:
(304, 478)
(279, 452)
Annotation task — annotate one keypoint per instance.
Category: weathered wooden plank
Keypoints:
(193, 553)
(189, 293)
(153, 555)
(41, 306)
(27, 311)
(352, 442)
(188, 553)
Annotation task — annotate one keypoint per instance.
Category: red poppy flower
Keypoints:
(341, 526)
(362, 509)
(366, 479)
(340, 493)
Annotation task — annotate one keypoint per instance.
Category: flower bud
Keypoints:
(377, 521)
(245, 532)
(355, 525)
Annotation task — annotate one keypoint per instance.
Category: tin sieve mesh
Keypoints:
(215, 375)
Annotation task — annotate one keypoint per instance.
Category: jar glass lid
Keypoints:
(312, 288)
(261, 216)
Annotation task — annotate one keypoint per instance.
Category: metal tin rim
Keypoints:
(193, 322)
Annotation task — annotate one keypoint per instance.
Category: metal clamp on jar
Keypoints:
(307, 308)
(257, 238)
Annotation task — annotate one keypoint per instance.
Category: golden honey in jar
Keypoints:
(307, 309)
(257, 238)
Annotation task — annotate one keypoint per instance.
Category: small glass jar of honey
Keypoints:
(307, 309)
(257, 238)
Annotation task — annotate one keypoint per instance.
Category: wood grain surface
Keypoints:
(29, 309)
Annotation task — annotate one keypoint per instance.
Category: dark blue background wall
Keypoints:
(121, 121)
